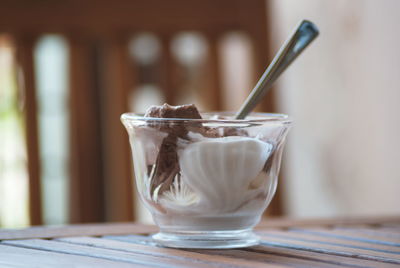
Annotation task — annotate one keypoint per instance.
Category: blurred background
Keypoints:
(69, 68)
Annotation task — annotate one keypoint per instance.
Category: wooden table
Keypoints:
(298, 243)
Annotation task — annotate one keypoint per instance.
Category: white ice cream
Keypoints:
(218, 175)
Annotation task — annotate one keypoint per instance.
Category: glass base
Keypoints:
(207, 239)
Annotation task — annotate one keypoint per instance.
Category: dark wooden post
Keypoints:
(213, 90)
(86, 187)
(25, 46)
(168, 70)
(117, 81)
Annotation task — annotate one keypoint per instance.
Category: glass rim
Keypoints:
(255, 117)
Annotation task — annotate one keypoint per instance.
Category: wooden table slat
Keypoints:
(11, 256)
(372, 232)
(193, 259)
(264, 258)
(342, 261)
(321, 259)
(392, 224)
(392, 242)
(288, 222)
(354, 242)
(77, 230)
(327, 248)
(383, 250)
(134, 228)
(231, 257)
(107, 254)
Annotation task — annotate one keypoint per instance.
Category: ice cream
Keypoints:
(220, 172)
(202, 170)
(206, 181)
(166, 166)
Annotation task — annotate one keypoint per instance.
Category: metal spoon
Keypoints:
(304, 34)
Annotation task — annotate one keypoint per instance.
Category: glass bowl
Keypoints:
(207, 181)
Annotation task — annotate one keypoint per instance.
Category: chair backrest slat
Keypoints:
(25, 47)
(117, 169)
(85, 195)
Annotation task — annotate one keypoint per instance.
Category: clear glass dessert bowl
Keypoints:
(207, 181)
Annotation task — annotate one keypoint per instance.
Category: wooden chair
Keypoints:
(101, 188)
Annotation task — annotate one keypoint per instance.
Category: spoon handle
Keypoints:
(304, 34)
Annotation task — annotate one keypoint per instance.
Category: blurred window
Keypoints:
(13, 157)
(190, 51)
(51, 65)
(145, 51)
(236, 53)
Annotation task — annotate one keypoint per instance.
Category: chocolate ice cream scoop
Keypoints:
(167, 166)
(168, 111)
(177, 129)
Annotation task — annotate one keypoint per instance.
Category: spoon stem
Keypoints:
(303, 35)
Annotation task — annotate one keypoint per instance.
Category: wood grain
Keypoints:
(11, 256)
(117, 80)
(192, 259)
(369, 232)
(134, 228)
(310, 243)
(324, 246)
(99, 17)
(392, 242)
(296, 254)
(25, 45)
(99, 253)
(321, 259)
(77, 230)
(211, 95)
(282, 222)
(85, 195)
